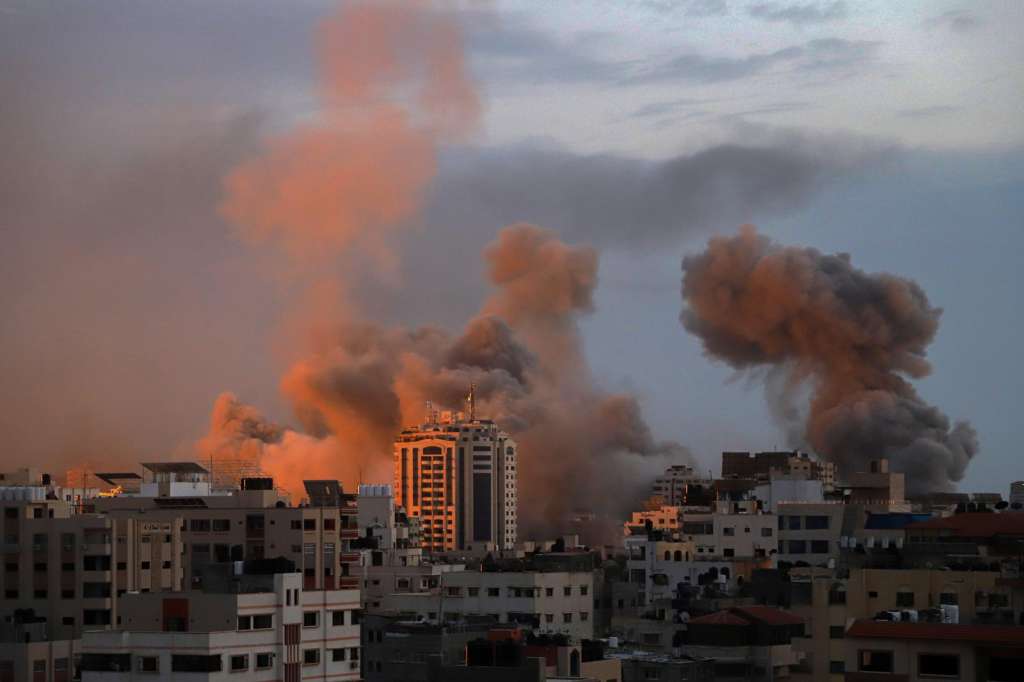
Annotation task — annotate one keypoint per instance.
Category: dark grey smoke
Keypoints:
(852, 337)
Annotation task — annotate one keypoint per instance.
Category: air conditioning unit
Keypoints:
(353, 665)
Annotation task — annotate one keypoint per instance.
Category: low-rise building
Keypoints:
(880, 650)
(746, 643)
(556, 597)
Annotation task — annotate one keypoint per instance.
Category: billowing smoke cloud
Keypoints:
(855, 338)
(393, 86)
(579, 443)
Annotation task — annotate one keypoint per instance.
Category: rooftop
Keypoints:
(976, 525)
(174, 468)
(984, 634)
(747, 615)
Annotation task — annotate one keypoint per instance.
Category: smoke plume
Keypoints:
(854, 339)
(393, 86)
(395, 89)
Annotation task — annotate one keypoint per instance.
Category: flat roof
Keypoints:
(174, 467)
(986, 634)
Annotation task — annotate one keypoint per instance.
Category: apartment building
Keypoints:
(829, 604)
(810, 532)
(547, 599)
(399, 650)
(763, 466)
(877, 651)
(255, 623)
(665, 517)
(63, 573)
(459, 477)
(680, 485)
(254, 523)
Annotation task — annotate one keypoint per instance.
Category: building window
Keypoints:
(874, 661)
(338, 655)
(239, 662)
(474, 591)
(766, 532)
(904, 597)
(797, 546)
(583, 590)
(149, 664)
(549, 592)
(949, 598)
(837, 595)
(328, 524)
(794, 522)
(566, 617)
(353, 653)
(263, 621)
(567, 591)
(296, 524)
(819, 546)
(549, 618)
(337, 618)
(310, 656)
(264, 660)
(728, 552)
(584, 616)
(836, 632)
(245, 622)
(309, 524)
(195, 663)
(310, 619)
(729, 531)
(837, 667)
(199, 525)
(938, 665)
(493, 592)
(816, 523)
(221, 525)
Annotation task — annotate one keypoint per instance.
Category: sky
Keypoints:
(892, 132)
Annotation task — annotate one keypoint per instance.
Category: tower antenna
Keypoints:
(471, 399)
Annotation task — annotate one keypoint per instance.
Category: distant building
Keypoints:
(459, 478)
(663, 518)
(763, 466)
(1017, 493)
(680, 486)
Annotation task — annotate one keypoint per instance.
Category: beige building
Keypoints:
(879, 651)
(665, 517)
(252, 627)
(459, 478)
(549, 601)
(63, 573)
(829, 605)
(254, 523)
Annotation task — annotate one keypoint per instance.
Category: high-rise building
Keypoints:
(1017, 492)
(458, 476)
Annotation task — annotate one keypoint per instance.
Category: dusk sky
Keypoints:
(889, 131)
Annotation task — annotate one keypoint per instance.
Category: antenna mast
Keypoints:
(471, 399)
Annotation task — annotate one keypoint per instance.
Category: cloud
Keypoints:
(955, 20)
(799, 13)
(690, 8)
(823, 54)
(927, 112)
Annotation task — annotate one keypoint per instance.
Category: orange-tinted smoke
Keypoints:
(393, 86)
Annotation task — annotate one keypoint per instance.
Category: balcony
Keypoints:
(349, 557)
(349, 533)
(348, 583)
